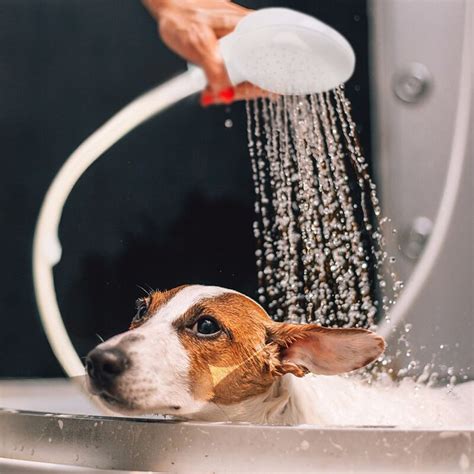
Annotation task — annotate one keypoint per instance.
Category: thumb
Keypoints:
(214, 68)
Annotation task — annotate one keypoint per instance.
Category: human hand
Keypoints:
(192, 28)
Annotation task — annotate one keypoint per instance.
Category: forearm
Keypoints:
(199, 8)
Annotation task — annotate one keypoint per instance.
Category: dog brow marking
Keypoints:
(185, 299)
(155, 300)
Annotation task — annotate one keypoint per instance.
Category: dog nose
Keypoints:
(103, 365)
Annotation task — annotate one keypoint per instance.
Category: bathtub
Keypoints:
(74, 440)
(48, 426)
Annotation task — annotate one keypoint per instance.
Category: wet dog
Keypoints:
(208, 353)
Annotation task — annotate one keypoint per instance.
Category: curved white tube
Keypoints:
(46, 245)
(432, 251)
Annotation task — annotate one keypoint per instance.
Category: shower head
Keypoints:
(287, 52)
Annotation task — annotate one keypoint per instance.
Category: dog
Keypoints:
(212, 354)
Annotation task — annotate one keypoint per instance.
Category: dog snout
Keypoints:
(104, 365)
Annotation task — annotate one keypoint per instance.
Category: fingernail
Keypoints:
(206, 99)
(227, 95)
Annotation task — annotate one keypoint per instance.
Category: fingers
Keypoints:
(198, 44)
(243, 91)
(214, 68)
(224, 96)
(224, 20)
(247, 90)
(192, 29)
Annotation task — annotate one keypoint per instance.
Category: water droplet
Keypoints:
(398, 285)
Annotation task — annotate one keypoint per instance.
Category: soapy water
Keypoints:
(349, 401)
(321, 251)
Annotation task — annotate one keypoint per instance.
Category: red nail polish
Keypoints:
(227, 95)
(206, 99)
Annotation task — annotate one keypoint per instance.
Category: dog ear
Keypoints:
(327, 351)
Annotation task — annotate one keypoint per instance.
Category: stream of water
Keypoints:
(321, 254)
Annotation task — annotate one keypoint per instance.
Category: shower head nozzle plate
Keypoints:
(287, 52)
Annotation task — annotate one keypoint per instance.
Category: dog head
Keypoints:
(197, 345)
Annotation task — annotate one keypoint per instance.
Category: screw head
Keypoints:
(412, 82)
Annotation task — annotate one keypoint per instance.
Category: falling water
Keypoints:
(321, 253)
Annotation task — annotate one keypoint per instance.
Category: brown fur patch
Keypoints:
(252, 350)
(236, 364)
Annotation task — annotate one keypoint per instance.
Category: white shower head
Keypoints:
(287, 52)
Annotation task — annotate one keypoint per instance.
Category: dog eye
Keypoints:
(142, 308)
(206, 326)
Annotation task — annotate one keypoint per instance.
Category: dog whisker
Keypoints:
(148, 291)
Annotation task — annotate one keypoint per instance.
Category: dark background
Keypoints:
(171, 203)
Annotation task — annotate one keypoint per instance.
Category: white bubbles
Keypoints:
(228, 123)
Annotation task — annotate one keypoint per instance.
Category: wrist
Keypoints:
(157, 7)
